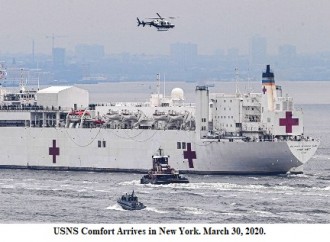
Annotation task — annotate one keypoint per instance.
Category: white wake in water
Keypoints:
(151, 209)
(116, 207)
(127, 183)
(192, 210)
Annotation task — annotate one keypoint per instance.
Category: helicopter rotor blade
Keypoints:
(159, 16)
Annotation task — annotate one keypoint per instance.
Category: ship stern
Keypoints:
(303, 150)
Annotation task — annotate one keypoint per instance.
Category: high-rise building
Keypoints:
(58, 58)
(287, 51)
(86, 52)
(258, 50)
(184, 53)
(233, 53)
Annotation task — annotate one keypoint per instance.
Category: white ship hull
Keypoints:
(101, 149)
(251, 133)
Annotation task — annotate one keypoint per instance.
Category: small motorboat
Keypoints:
(130, 202)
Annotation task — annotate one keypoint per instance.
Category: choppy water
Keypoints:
(79, 197)
(28, 196)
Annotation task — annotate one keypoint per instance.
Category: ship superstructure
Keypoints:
(220, 134)
(257, 116)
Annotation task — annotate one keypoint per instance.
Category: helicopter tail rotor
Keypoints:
(139, 22)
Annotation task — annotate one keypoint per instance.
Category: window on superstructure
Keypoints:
(99, 143)
(184, 145)
(104, 143)
(178, 145)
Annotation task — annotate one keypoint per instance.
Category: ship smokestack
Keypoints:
(268, 89)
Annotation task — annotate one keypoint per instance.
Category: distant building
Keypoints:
(58, 58)
(233, 53)
(84, 52)
(184, 54)
(258, 50)
(287, 51)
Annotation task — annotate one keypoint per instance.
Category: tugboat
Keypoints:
(161, 172)
(130, 202)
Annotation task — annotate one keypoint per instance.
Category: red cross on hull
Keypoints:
(54, 151)
(190, 155)
(288, 122)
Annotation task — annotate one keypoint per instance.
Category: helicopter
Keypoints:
(160, 23)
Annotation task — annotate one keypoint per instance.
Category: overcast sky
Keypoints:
(211, 24)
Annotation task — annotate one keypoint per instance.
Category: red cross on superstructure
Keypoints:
(190, 155)
(54, 151)
(288, 122)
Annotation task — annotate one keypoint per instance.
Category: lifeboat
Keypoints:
(128, 116)
(160, 116)
(77, 115)
(98, 121)
(175, 116)
(113, 115)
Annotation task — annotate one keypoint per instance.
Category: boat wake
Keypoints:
(127, 183)
(115, 207)
(151, 209)
(193, 210)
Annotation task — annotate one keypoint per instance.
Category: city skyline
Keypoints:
(212, 24)
(89, 63)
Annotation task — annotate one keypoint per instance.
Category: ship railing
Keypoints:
(20, 107)
(246, 137)
(28, 107)
(132, 104)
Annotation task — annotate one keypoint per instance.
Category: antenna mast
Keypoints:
(164, 85)
(21, 84)
(158, 88)
(237, 76)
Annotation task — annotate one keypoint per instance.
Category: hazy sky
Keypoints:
(212, 24)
